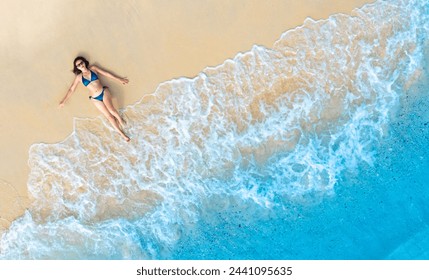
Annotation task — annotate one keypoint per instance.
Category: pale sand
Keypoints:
(148, 41)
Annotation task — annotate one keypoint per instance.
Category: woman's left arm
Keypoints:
(109, 75)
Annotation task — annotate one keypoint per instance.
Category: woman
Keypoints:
(100, 96)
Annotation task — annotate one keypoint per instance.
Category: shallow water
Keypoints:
(314, 149)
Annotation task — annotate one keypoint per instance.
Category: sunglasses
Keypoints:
(79, 64)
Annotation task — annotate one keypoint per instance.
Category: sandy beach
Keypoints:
(147, 41)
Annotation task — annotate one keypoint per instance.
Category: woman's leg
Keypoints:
(102, 108)
(107, 100)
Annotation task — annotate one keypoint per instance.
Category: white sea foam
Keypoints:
(269, 126)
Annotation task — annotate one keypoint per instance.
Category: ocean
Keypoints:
(312, 149)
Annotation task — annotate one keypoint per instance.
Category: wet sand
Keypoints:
(147, 41)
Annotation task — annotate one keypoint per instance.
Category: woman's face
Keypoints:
(80, 65)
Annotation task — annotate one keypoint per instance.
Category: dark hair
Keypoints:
(75, 70)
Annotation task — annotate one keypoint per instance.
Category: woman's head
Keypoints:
(78, 63)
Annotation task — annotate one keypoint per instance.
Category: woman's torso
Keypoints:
(92, 82)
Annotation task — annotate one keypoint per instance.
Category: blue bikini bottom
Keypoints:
(98, 97)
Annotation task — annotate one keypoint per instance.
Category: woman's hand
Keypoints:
(61, 105)
(124, 81)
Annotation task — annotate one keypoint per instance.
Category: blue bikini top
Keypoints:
(93, 78)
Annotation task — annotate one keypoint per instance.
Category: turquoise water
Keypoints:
(379, 212)
(312, 149)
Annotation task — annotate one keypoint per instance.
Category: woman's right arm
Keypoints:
(70, 91)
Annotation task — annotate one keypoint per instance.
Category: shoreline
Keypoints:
(190, 42)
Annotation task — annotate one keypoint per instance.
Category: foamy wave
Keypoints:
(269, 126)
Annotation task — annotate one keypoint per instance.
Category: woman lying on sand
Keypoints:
(99, 94)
